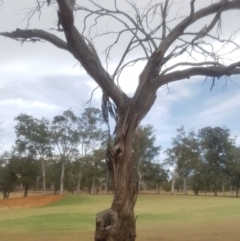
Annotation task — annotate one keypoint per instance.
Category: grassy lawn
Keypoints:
(160, 217)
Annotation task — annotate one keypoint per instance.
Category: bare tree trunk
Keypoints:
(93, 188)
(139, 182)
(106, 184)
(185, 185)
(215, 190)
(237, 187)
(25, 191)
(231, 191)
(4, 193)
(62, 177)
(121, 223)
(43, 177)
(79, 183)
(223, 188)
(173, 181)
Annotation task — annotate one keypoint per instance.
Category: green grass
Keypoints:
(155, 212)
(70, 213)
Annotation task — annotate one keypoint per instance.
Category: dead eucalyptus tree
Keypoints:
(173, 47)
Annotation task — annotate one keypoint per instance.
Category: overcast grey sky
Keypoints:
(41, 80)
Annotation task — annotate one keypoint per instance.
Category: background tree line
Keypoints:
(205, 161)
(68, 153)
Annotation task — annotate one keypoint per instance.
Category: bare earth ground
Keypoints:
(28, 202)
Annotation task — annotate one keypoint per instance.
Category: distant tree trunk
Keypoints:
(140, 176)
(237, 187)
(26, 190)
(158, 189)
(43, 177)
(215, 190)
(62, 177)
(106, 184)
(173, 182)
(223, 188)
(185, 185)
(231, 191)
(4, 193)
(79, 183)
(55, 190)
(93, 188)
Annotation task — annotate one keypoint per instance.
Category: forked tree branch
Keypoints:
(86, 57)
(212, 71)
(36, 35)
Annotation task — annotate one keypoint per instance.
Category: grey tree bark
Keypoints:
(185, 186)
(79, 183)
(62, 176)
(43, 177)
(173, 181)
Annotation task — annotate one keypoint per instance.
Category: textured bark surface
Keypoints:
(125, 189)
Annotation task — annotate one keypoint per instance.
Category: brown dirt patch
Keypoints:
(28, 202)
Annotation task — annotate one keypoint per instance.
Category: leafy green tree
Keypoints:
(233, 170)
(91, 135)
(216, 148)
(8, 175)
(184, 155)
(156, 176)
(95, 170)
(65, 138)
(33, 139)
(144, 151)
(28, 171)
(53, 170)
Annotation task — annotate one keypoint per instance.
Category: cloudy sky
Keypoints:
(42, 81)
